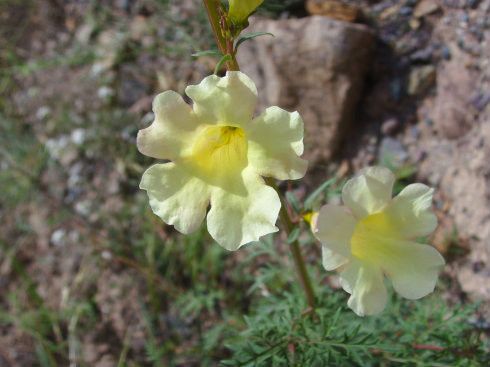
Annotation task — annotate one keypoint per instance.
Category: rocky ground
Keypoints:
(403, 83)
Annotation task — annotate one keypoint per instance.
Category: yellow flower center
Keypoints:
(219, 151)
(372, 237)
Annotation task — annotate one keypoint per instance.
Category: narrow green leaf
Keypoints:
(293, 201)
(206, 53)
(293, 236)
(220, 63)
(310, 200)
(249, 36)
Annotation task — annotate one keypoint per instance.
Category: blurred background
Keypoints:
(90, 277)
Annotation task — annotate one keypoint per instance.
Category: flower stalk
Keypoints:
(221, 32)
(299, 261)
(225, 42)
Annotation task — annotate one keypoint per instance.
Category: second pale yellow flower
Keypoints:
(375, 235)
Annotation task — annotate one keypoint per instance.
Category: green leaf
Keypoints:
(293, 236)
(249, 36)
(293, 201)
(220, 63)
(310, 200)
(206, 53)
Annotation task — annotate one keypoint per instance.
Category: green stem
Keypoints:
(299, 261)
(225, 42)
(221, 33)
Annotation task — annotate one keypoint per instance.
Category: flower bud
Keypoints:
(240, 10)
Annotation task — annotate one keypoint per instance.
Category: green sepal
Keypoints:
(248, 36)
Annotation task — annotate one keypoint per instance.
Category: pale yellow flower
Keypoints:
(239, 10)
(374, 235)
(218, 153)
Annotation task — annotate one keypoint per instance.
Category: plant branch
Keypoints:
(221, 32)
(299, 261)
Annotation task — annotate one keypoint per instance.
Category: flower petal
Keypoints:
(275, 144)
(365, 283)
(175, 196)
(414, 269)
(229, 100)
(348, 275)
(237, 218)
(332, 260)
(174, 126)
(334, 227)
(369, 192)
(410, 211)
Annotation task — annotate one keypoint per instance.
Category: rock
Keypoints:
(414, 23)
(461, 169)
(423, 55)
(475, 280)
(390, 126)
(314, 65)
(467, 183)
(390, 11)
(425, 7)
(421, 79)
(481, 101)
(461, 166)
(445, 53)
(405, 11)
(333, 9)
(473, 4)
(453, 110)
(393, 152)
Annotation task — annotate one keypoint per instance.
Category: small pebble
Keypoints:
(78, 136)
(406, 11)
(390, 126)
(463, 18)
(481, 101)
(415, 132)
(420, 155)
(472, 3)
(393, 151)
(429, 122)
(478, 266)
(421, 79)
(105, 92)
(446, 53)
(396, 88)
(57, 237)
(106, 255)
(422, 55)
(43, 112)
(480, 323)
